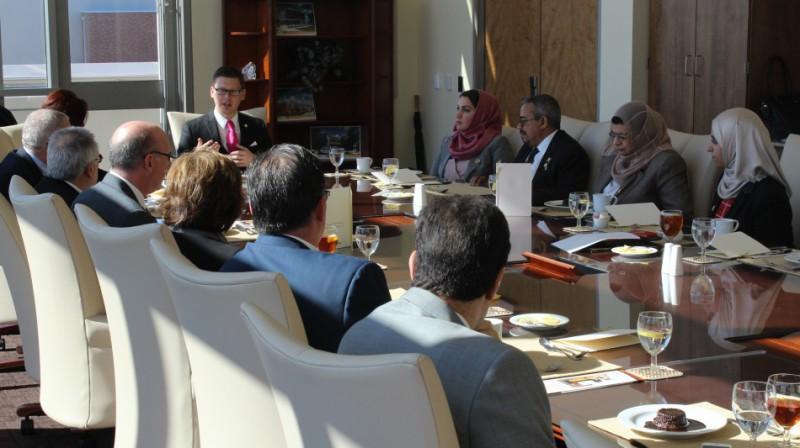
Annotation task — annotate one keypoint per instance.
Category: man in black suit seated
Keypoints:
(72, 163)
(30, 161)
(140, 154)
(224, 129)
(559, 163)
(333, 291)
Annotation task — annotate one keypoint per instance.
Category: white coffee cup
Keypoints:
(725, 225)
(497, 325)
(364, 164)
(600, 201)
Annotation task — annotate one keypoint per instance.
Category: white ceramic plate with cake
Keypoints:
(539, 321)
(653, 419)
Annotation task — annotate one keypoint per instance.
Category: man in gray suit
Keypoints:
(141, 154)
(495, 394)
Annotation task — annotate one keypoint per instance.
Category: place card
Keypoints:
(339, 212)
(643, 214)
(578, 383)
(738, 244)
(514, 188)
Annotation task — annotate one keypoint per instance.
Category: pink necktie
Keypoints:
(231, 140)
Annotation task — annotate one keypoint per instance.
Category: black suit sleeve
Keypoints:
(368, 290)
(188, 139)
(257, 137)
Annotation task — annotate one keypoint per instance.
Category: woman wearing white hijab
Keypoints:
(752, 189)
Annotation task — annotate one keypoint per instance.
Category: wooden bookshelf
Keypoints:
(360, 94)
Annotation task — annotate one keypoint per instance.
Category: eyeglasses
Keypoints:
(714, 140)
(226, 92)
(614, 136)
(524, 120)
(168, 155)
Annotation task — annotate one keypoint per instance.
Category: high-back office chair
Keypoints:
(790, 163)
(76, 368)
(10, 139)
(151, 367)
(176, 121)
(400, 398)
(235, 405)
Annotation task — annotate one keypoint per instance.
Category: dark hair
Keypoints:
(66, 101)
(616, 120)
(285, 184)
(203, 192)
(545, 106)
(227, 71)
(462, 244)
(473, 96)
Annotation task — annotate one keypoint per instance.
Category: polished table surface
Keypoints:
(745, 302)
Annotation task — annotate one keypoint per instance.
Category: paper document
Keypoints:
(514, 188)
(404, 176)
(643, 214)
(602, 340)
(520, 236)
(584, 240)
(587, 381)
(460, 188)
(738, 244)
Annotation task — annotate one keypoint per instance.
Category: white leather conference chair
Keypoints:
(235, 405)
(10, 138)
(702, 172)
(176, 121)
(577, 435)
(15, 268)
(400, 399)
(76, 367)
(258, 112)
(594, 139)
(790, 162)
(574, 126)
(151, 367)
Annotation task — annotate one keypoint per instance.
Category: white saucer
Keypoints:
(635, 418)
(539, 321)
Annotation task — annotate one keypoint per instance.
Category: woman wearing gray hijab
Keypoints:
(752, 189)
(639, 163)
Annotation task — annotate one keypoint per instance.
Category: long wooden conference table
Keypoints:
(718, 339)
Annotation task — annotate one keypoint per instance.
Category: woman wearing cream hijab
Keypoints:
(639, 163)
(752, 188)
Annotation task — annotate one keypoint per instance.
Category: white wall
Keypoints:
(206, 49)
(407, 41)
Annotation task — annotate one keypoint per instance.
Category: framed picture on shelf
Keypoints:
(296, 19)
(325, 137)
(296, 104)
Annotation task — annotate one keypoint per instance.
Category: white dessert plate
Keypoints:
(635, 251)
(793, 257)
(635, 418)
(539, 321)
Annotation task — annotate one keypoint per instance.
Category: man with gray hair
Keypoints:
(30, 161)
(141, 154)
(558, 162)
(72, 163)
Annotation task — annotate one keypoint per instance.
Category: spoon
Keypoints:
(549, 345)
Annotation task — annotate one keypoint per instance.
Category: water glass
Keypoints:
(390, 166)
(654, 329)
(703, 234)
(785, 402)
(671, 222)
(367, 239)
(492, 183)
(702, 290)
(579, 203)
(336, 156)
(751, 406)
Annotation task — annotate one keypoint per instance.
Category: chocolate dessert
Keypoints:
(671, 419)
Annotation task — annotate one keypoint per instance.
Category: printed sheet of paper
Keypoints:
(514, 188)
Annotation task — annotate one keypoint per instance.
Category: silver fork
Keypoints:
(549, 345)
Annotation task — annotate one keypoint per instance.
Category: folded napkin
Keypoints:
(544, 359)
(602, 340)
(551, 212)
(730, 434)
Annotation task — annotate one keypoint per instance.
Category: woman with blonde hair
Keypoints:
(202, 200)
(752, 189)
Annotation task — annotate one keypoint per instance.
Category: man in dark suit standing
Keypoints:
(333, 291)
(30, 161)
(72, 163)
(224, 129)
(559, 163)
(494, 391)
(141, 154)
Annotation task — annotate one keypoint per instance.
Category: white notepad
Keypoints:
(738, 244)
(514, 188)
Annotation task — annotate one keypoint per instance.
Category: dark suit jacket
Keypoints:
(663, 181)
(115, 202)
(333, 291)
(207, 250)
(254, 133)
(763, 211)
(6, 117)
(18, 163)
(494, 392)
(59, 187)
(564, 168)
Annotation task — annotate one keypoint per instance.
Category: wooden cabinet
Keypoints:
(707, 56)
(356, 92)
(554, 40)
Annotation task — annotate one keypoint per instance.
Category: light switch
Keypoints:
(448, 82)
(437, 81)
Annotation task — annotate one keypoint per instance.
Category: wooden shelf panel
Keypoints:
(347, 83)
(321, 123)
(256, 81)
(326, 37)
(248, 33)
